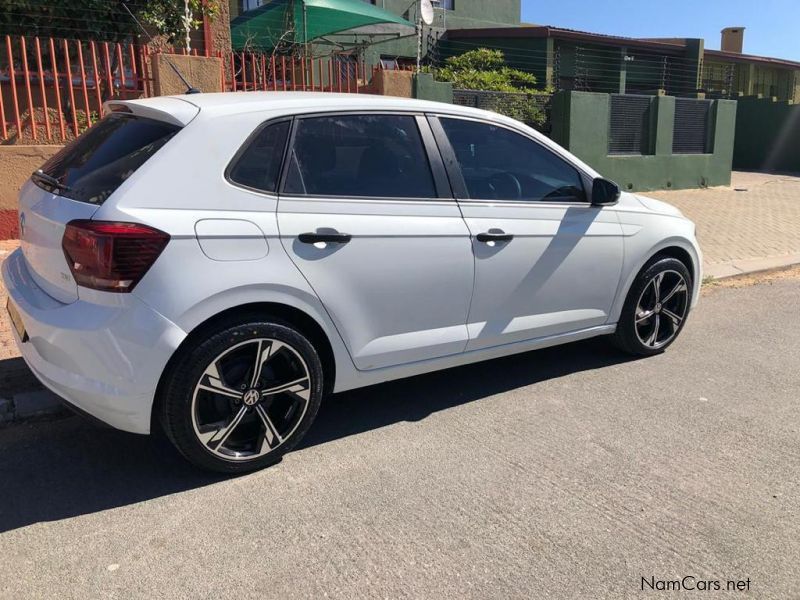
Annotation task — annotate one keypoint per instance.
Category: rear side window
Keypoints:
(259, 164)
(92, 167)
(359, 156)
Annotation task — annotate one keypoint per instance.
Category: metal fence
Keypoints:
(531, 109)
(629, 124)
(692, 129)
(632, 127)
(258, 71)
(52, 89)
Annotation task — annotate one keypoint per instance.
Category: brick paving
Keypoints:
(760, 222)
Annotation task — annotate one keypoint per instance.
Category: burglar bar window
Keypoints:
(691, 132)
(629, 129)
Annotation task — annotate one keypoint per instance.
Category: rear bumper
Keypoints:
(105, 359)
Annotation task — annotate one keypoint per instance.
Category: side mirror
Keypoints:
(604, 192)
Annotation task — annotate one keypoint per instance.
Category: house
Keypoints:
(459, 14)
(569, 59)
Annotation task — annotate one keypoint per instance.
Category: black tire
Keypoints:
(186, 400)
(627, 338)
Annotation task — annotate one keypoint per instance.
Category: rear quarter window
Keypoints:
(258, 164)
(92, 167)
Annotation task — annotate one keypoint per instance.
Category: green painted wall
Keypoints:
(425, 88)
(767, 135)
(580, 122)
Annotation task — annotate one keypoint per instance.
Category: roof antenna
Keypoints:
(189, 88)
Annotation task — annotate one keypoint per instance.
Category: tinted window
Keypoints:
(99, 161)
(359, 155)
(499, 164)
(260, 164)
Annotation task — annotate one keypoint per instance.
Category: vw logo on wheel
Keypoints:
(251, 397)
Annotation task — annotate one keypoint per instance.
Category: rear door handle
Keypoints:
(497, 235)
(328, 238)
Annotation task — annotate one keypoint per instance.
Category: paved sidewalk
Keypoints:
(753, 229)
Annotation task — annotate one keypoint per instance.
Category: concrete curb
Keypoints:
(28, 405)
(751, 265)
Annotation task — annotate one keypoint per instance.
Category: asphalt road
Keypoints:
(565, 473)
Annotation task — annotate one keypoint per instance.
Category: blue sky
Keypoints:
(772, 26)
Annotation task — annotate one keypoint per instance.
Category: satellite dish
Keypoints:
(426, 11)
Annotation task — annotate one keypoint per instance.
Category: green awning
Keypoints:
(266, 25)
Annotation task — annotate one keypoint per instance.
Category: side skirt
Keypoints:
(365, 378)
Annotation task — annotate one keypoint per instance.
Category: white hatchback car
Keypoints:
(218, 262)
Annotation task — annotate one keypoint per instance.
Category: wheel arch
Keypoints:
(678, 253)
(678, 248)
(301, 320)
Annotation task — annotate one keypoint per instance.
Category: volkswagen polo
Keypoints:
(217, 263)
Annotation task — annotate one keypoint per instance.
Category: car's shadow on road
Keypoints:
(56, 470)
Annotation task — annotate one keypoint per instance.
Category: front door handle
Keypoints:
(328, 238)
(495, 235)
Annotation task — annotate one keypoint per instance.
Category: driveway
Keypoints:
(572, 472)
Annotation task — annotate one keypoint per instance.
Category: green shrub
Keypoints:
(486, 70)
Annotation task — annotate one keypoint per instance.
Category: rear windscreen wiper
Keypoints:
(50, 180)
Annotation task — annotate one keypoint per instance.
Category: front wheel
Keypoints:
(243, 397)
(656, 308)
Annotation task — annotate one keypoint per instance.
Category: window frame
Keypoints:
(457, 178)
(430, 148)
(246, 145)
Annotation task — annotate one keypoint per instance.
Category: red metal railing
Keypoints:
(51, 90)
(253, 71)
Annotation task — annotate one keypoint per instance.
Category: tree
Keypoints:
(174, 18)
(486, 70)
(105, 20)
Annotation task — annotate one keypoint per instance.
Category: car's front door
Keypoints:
(369, 220)
(546, 261)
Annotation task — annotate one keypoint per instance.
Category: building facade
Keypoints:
(577, 60)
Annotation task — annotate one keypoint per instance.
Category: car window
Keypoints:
(498, 164)
(359, 156)
(259, 165)
(93, 166)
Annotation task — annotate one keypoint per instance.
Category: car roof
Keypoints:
(226, 103)
(184, 108)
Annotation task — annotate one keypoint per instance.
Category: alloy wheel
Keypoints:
(661, 309)
(250, 399)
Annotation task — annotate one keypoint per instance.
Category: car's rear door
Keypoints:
(366, 214)
(546, 261)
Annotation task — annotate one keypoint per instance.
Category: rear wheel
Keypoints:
(655, 309)
(242, 398)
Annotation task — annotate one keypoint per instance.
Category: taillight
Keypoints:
(112, 257)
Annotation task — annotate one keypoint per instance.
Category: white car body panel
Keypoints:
(419, 251)
(521, 286)
(43, 216)
(404, 297)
